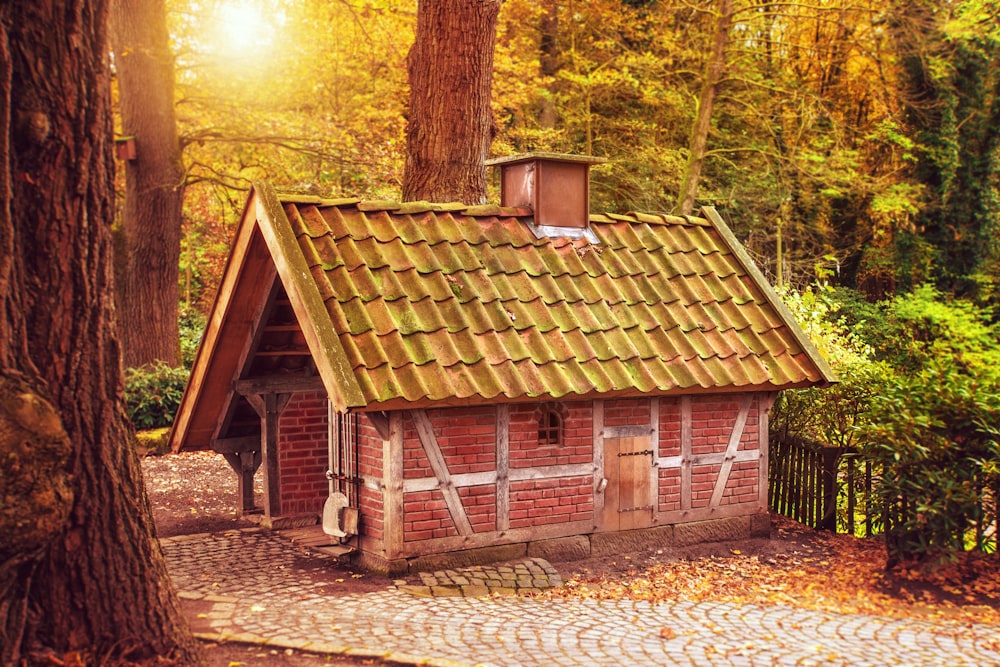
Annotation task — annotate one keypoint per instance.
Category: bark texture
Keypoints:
(450, 125)
(698, 145)
(91, 577)
(154, 192)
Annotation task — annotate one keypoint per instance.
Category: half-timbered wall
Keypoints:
(447, 479)
(302, 454)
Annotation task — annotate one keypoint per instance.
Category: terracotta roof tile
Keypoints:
(444, 302)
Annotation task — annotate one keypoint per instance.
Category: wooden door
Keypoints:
(629, 496)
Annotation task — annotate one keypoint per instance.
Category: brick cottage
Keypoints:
(476, 383)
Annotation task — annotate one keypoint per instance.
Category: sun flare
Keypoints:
(243, 29)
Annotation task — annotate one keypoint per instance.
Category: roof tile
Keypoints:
(447, 302)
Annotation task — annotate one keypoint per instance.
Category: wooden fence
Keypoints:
(832, 488)
(823, 487)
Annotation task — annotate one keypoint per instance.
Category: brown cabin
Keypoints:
(485, 382)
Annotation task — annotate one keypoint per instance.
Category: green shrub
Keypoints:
(934, 435)
(192, 325)
(152, 394)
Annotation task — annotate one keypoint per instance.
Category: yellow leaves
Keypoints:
(667, 633)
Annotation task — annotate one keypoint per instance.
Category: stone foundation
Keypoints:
(579, 547)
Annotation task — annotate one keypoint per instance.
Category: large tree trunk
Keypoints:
(450, 126)
(154, 190)
(698, 144)
(91, 577)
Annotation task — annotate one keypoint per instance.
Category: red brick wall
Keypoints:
(302, 454)
(426, 516)
(467, 438)
(578, 435)
(547, 501)
(632, 412)
(670, 427)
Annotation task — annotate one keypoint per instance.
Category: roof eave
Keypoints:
(327, 351)
(827, 375)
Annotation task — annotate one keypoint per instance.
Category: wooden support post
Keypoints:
(243, 456)
(687, 436)
(269, 407)
(392, 490)
(654, 444)
(831, 459)
(599, 476)
(245, 463)
(764, 402)
(503, 466)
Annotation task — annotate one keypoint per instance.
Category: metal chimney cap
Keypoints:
(542, 155)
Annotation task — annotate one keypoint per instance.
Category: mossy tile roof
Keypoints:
(445, 303)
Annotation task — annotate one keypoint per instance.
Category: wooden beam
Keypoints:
(247, 443)
(687, 434)
(734, 444)
(513, 536)
(715, 458)
(764, 402)
(654, 444)
(440, 467)
(279, 384)
(392, 489)
(381, 423)
(502, 490)
(627, 431)
(550, 472)
(706, 513)
(269, 407)
(597, 411)
(466, 479)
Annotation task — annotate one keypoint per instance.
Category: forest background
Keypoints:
(853, 146)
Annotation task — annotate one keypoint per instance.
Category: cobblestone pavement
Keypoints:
(250, 586)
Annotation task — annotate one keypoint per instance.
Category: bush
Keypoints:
(153, 393)
(192, 325)
(935, 438)
(919, 396)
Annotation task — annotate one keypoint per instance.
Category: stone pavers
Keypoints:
(518, 578)
(249, 586)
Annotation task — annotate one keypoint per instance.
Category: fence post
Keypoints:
(851, 500)
(831, 457)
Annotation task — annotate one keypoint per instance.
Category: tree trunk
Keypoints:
(91, 577)
(154, 191)
(450, 126)
(549, 58)
(706, 101)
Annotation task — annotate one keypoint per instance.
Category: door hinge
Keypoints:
(635, 509)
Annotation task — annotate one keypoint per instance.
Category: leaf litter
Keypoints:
(799, 567)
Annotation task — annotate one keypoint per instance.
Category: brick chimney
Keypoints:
(555, 186)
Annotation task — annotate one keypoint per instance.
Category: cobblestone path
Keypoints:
(250, 586)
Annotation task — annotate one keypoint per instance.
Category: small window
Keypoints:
(550, 428)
